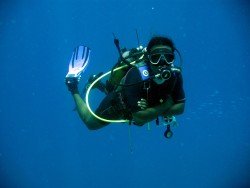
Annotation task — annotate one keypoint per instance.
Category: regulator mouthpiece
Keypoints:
(164, 73)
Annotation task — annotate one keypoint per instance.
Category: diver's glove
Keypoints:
(72, 83)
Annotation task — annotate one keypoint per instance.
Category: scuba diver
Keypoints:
(139, 92)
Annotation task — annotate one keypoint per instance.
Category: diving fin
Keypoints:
(79, 61)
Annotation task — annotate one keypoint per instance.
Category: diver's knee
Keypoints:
(94, 125)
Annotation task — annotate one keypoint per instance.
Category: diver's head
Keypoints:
(160, 51)
(160, 54)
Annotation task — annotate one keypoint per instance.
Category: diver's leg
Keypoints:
(77, 65)
(89, 120)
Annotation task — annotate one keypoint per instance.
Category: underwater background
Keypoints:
(44, 144)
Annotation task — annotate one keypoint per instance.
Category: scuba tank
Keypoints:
(127, 57)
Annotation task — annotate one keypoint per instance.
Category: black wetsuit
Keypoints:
(112, 105)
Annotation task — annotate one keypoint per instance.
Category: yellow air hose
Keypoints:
(92, 84)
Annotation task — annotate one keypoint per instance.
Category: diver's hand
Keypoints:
(72, 83)
(142, 104)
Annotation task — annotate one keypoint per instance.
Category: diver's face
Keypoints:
(160, 56)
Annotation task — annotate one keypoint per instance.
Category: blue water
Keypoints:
(43, 143)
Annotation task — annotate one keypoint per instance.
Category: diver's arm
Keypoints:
(176, 109)
(149, 114)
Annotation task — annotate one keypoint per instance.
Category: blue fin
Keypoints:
(79, 61)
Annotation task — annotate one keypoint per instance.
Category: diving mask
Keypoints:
(161, 56)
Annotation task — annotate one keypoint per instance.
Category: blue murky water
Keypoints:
(44, 144)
